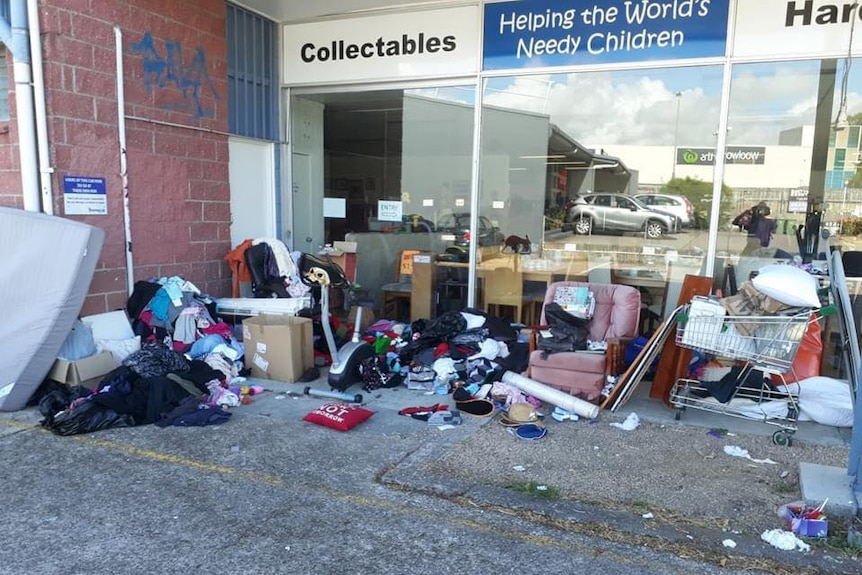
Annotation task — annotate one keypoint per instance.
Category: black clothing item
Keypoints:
(142, 293)
(86, 418)
(724, 389)
(190, 413)
(149, 398)
(518, 359)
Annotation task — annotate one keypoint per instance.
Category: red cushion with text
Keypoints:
(338, 416)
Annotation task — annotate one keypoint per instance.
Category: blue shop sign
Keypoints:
(547, 33)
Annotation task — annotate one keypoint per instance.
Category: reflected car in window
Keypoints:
(458, 224)
(676, 205)
(614, 212)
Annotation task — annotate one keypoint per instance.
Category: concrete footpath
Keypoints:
(266, 490)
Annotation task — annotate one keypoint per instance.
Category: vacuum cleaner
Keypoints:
(326, 274)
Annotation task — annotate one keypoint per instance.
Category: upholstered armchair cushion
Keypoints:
(583, 373)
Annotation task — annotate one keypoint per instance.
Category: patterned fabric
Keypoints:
(155, 360)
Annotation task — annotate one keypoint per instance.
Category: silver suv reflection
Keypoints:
(613, 212)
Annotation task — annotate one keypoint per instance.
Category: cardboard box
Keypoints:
(278, 347)
(88, 371)
(112, 325)
(806, 526)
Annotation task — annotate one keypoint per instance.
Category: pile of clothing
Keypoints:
(153, 385)
(174, 312)
(467, 346)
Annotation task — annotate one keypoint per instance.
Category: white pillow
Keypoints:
(788, 284)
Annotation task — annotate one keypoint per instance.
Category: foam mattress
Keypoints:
(47, 266)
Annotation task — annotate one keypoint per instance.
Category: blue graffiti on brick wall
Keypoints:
(169, 72)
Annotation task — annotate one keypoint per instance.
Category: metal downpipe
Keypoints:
(24, 106)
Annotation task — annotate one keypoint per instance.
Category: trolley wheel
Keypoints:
(677, 414)
(782, 437)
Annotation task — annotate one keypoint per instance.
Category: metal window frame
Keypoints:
(252, 74)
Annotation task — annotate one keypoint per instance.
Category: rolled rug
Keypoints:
(551, 395)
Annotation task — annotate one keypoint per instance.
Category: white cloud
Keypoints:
(640, 107)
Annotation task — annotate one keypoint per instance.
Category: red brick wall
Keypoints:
(179, 197)
(10, 172)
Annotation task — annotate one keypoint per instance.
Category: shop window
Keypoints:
(614, 134)
(252, 74)
(388, 170)
(778, 102)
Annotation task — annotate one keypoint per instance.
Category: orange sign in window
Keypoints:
(407, 262)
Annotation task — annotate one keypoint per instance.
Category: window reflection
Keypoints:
(809, 165)
(394, 170)
(593, 167)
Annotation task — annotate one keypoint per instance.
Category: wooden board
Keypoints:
(674, 360)
(629, 380)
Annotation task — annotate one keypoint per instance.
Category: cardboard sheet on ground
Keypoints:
(48, 263)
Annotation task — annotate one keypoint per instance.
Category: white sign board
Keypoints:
(389, 211)
(422, 44)
(334, 208)
(795, 28)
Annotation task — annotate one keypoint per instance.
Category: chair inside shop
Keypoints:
(395, 297)
(504, 288)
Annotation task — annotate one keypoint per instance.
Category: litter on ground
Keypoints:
(785, 540)
(630, 424)
(740, 452)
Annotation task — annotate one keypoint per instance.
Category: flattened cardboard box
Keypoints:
(278, 347)
(88, 371)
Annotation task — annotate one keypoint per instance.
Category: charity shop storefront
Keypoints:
(518, 143)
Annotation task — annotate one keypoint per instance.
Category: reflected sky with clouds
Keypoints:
(639, 107)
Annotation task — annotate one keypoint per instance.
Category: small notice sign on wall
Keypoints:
(84, 196)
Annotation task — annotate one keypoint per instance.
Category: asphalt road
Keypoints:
(269, 493)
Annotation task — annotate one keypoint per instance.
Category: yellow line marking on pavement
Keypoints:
(191, 463)
(276, 481)
(364, 500)
(19, 424)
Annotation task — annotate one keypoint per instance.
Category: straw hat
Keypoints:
(519, 414)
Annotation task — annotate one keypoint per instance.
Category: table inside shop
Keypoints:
(430, 275)
(652, 284)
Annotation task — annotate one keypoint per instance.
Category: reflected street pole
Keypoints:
(843, 206)
(675, 134)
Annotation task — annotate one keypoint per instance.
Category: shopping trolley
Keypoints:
(767, 343)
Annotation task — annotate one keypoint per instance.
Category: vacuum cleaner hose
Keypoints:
(333, 395)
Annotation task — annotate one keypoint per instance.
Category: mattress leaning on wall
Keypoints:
(46, 267)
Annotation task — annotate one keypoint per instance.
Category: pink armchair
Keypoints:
(615, 321)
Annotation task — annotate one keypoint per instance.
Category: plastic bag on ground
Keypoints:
(826, 401)
(79, 343)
